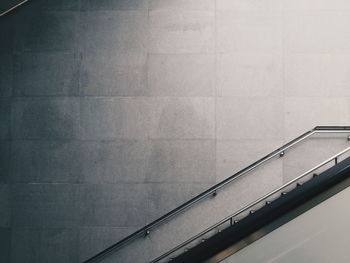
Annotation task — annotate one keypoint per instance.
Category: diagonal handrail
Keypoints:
(213, 190)
(13, 7)
(249, 206)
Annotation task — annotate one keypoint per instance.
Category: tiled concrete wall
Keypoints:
(113, 112)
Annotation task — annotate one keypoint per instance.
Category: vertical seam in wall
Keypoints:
(283, 86)
(148, 93)
(8, 177)
(78, 52)
(79, 138)
(149, 141)
(13, 64)
(215, 95)
(11, 98)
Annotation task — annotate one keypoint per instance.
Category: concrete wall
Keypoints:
(113, 112)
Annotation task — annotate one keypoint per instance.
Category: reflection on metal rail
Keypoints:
(13, 7)
(231, 217)
(213, 190)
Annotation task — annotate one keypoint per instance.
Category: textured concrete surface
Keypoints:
(5, 118)
(42, 74)
(113, 77)
(5, 206)
(6, 68)
(46, 161)
(181, 75)
(44, 245)
(44, 205)
(5, 166)
(114, 112)
(95, 239)
(45, 118)
(5, 244)
(120, 31)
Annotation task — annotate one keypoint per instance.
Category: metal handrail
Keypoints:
(213, 190)
(246, 208)
(13, 7)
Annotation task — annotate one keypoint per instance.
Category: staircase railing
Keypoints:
(12, 7)
(231, 219)
(213, 191)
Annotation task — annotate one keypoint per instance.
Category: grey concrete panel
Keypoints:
(6, 29)
(5, 118)
(5, 206)
(44, 205)
(317, 75)
(251, 5)
(6, 67)
(118, 205)
(317, 31)
(316, 5)
(56, 5)
(182, 4)
(46, 31)
(181, 75)
(124, 31)
(113, 74)
(183, 118)
(42, 245)
(46, 161)
(249, 75)
(182, 161)
(114, 161)
(178, 31)
(5, 153)
(93, 240)
(249, 118)
(5, 244)
(52, 118)
(51, 74)
(113, 118)
(247, 32)
(94, 5)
